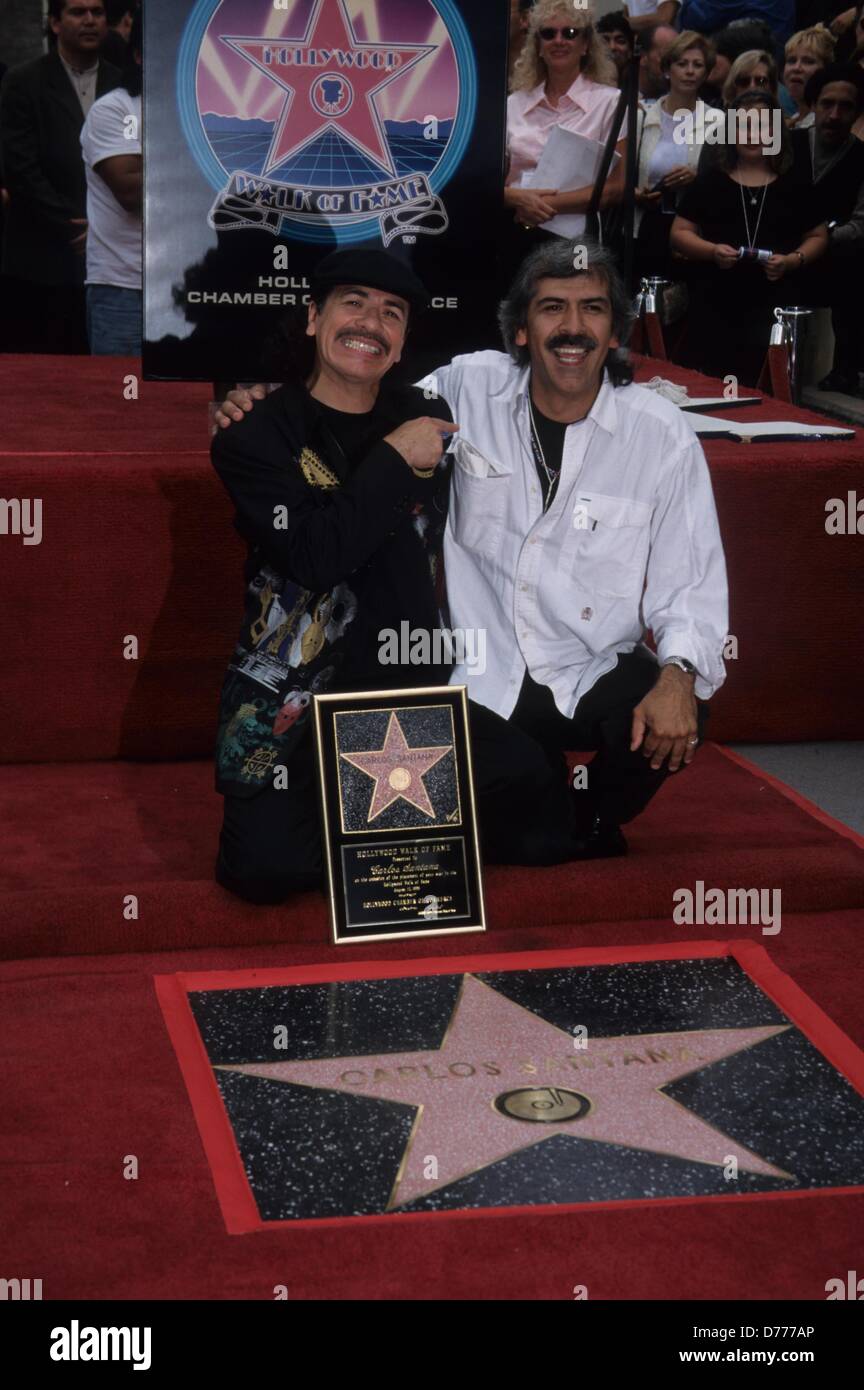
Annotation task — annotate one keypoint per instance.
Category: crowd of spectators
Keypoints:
(748, 191)
(71, 166)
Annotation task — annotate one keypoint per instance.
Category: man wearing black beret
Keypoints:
(334, 481)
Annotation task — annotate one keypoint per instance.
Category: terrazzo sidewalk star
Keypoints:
(407, 1090)
(485, 1110)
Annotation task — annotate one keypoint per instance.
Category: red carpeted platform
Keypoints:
(137, 542)
(82, 837)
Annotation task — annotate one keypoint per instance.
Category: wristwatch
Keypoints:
(681, 661)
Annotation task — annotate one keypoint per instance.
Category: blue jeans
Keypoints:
(113, 321)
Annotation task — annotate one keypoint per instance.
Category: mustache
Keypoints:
(574, 340)
(373, 337)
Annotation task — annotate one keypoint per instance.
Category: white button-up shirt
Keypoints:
(630, 541)
(84, 82)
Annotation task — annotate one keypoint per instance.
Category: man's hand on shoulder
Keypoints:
(238, 403)
(665, 722)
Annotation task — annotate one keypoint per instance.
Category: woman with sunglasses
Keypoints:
(757, 71)
(746, 226)
(754, 71)
(564, 77)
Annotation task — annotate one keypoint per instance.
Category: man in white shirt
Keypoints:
(111, 146)
(581, 516)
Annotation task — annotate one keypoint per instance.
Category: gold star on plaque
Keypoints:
(398, 770)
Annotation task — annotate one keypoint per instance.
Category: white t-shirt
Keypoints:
(112, 127)
(636, 8)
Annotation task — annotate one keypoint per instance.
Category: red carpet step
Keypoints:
(137, 539)
(82, 837)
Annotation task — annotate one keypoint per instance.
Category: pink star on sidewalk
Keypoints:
(504, 1079)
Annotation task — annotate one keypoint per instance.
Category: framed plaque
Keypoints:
(397, 799)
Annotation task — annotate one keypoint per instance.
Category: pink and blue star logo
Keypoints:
(349, 111)
(330, 67)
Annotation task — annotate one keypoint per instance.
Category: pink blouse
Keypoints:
(586, 108)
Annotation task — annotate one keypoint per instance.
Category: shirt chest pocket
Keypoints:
(606, 546)
(478, 500)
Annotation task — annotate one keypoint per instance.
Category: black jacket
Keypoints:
(837, 190)
(337, 552)
(43, 169)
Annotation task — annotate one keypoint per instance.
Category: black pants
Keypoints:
(528, 812)
(270, 845)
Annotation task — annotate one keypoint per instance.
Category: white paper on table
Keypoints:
(568, 161)
(765, 431)
(719, 402)
(706, 425)
(771, 430)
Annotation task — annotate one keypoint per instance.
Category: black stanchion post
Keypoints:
(628, 104)
(631, 86)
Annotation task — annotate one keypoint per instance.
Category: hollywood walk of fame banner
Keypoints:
(543, 1080)
(397, 803)
(278, 131)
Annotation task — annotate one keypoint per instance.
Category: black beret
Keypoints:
(377, 269)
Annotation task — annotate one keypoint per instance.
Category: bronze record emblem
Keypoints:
(543, 1104)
